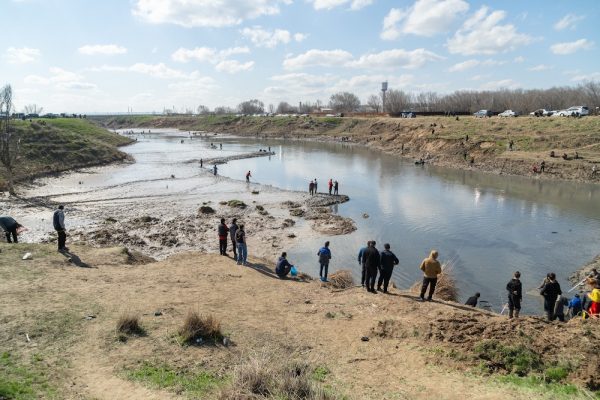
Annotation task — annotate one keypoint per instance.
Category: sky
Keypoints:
(84, 56)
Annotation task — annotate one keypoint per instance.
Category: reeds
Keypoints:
(341, 279)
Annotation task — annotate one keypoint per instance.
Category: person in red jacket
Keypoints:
(222, 231)
(330, 185)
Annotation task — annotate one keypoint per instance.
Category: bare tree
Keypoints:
(271, 109)
(285, 108)
(222, 110)
(397, 101)
(253, 106)
(32, 109)
(374, 101)
(344, 102)
(202, 110)
(9, 139)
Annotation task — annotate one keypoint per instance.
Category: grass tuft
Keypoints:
(197, 328)
(129, 324)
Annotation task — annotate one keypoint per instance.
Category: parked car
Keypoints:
(542, 112)
(573, 112)
(508, 113)
(482, 114)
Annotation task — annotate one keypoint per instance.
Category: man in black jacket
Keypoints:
(372, 263)
(58, 221)
(388, 260)
(550, 291)
(515, 294)
(232, 230)
(472, 301)
(10, 226)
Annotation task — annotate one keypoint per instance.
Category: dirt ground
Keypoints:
(59, 318)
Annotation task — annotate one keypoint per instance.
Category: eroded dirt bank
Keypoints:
(441, 141)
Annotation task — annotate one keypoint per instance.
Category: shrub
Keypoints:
(518, 360)
(206, 210)
(198, 327)
(129, 324)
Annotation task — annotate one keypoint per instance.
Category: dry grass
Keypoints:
(341, 279)
(197, 328)
(264, 376)
(446, 285)
(129, 324)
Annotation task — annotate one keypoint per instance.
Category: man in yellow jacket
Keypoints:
(431, 269)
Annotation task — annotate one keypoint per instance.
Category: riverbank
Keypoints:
(51, 146)
(440, 141)
(63, 342)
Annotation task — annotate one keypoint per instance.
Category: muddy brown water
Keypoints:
(487, 225)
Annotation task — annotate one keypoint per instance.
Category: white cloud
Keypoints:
(465, 65)
(234, 66)
(396, 58)
(299, 37)
(61, 79)
(160, 70)
(483, 34)
(423, 18)
(329, 4)
(568, 21)
(206, 54)
(571, 47)
(264, 38)
(388, 59)
(519, 59)
(586, 77)
(540, 67)
(322, 58)
(22, 55)
(103, 49)
(204, 13)
(501, 84)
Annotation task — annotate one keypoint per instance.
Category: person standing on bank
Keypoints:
(232, 230)
(242, 249)
(515, 294)
(388, 260)
(550, 291)
(330, 185)
(361, 262)
(335, 187)
(324, 256)
(222, 231)
(431, 269)
(58, 220)
(372, 264)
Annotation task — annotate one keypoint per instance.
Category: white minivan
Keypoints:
(573, 112)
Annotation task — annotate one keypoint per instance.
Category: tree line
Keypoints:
(398, 101)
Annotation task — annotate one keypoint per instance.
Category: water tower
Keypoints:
(383, 90)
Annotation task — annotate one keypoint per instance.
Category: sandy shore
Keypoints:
(163, 216)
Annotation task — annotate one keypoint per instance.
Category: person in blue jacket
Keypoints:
(324, 256)
(575, 306)
(283, 266)
(361, 262)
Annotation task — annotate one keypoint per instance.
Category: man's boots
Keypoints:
(517, 313)
(510, 314)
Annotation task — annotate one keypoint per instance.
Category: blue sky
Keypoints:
(108, 56)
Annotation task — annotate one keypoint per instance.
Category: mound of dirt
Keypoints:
(323, 200)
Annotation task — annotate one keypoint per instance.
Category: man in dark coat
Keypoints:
(10, 226)
(58, 221)
(232, 230)
(472, 301)
(283, 266)
(550, 291)
(388, 260)
(372, 263)
(515, 294)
